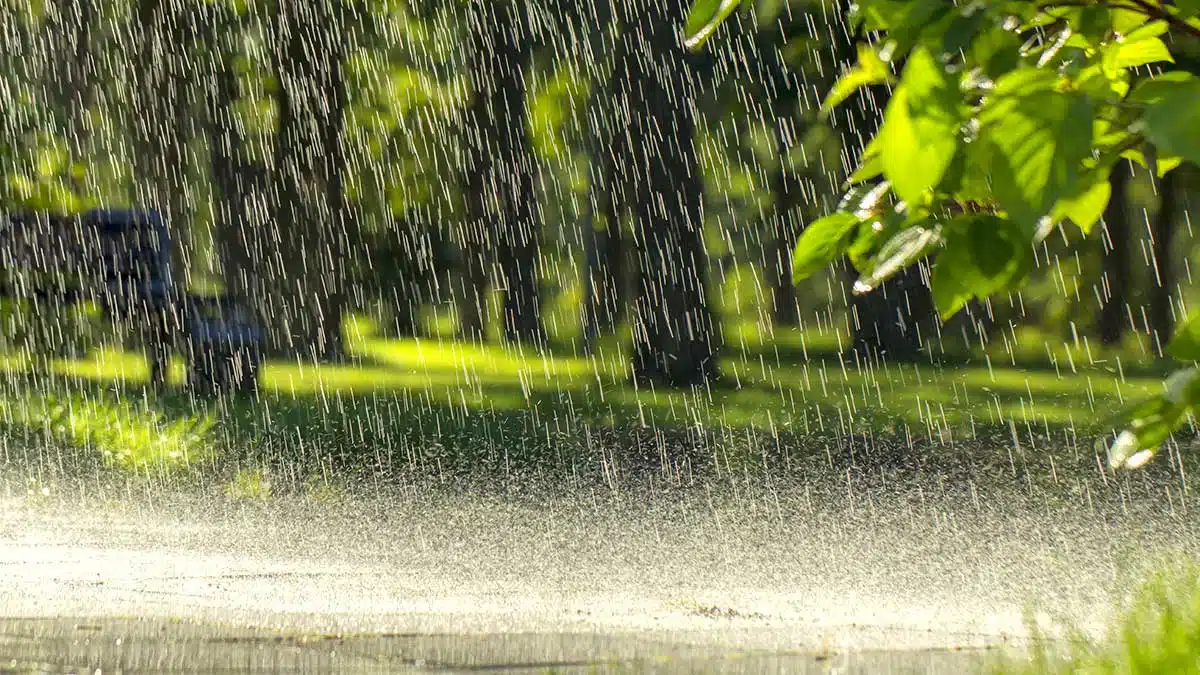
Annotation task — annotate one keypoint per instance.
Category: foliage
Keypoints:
(1004, 121)
(1158, 632)
(127, 434)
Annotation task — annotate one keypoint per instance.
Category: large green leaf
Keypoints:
(1087, 206)
(904, 20)
(1188, 8)
(919, 136)
(1035, 138)
(821, 243)
(1140, 47)
(1172, 115)
(705, 17)
(1185, 346)
(983, 254)
(868, 70)
(870, 164)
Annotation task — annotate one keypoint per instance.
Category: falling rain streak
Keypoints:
(537, 252)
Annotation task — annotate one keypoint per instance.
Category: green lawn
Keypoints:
(441, 403)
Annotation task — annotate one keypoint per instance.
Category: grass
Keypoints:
(438, 406)
(1156, 632)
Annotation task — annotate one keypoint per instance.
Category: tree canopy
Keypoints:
(1004, 122)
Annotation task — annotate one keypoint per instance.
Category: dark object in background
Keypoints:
(223, 345)
(120, 259)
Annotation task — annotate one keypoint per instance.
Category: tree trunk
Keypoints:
(309, 228)
(785, 313)
(501, 199)
(674, 329)
(605, 273)
(238, 181)
(1114, 287)
(161, 112)
(68, 32)
(1162, 311)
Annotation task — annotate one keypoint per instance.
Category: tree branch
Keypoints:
(1144, 7)
(1158, 12)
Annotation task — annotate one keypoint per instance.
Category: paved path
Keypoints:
(468, 582)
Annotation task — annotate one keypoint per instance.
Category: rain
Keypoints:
(473, 334)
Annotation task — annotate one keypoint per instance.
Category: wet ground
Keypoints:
(907, 580)
(157, 645)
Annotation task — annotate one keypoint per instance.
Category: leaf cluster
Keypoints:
(1004, 121)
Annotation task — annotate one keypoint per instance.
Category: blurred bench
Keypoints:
(120, 259)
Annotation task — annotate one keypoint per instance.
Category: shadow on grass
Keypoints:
(457, 412)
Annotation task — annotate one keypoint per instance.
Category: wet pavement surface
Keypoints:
(75, 645)
(578, 583)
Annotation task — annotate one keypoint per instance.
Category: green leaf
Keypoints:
(1132, 52)
(908, 246)
(1126, 21)
(996, 51)
(983, 254)
(1164, 164)
(1185, 346)
(919, 136)
(1187, 8)
(870, 166)
(1153, 421)
(1034, 139)
(870, 69)
(904, 20)
(705, 18)
(821, 243)
(866, 201)
(1172, 114)
(1085, 208)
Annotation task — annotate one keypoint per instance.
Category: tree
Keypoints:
(674, 330)
(163, 96)
(499, 182)
(239, 180)
(1116, 238)
(1006, 120)
(1162, 309)
(310, 227)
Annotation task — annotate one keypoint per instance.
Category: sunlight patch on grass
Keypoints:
(125, 432)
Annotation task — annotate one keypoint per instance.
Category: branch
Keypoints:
(1141, 6)
(1159, 12)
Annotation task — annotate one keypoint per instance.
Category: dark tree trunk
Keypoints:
(1162, 311)
(68, 32)
(604, 283)
(502, 166)
(307, 295)
(238, 181)
(674, 329)
(605, 273)
(162, 92)
(1114, 286)
(895, 321)
(785, 313)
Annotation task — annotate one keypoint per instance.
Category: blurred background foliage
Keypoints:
(443, 151)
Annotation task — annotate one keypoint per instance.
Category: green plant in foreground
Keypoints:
(1006, 118)
(1157, 631)
(126, 433)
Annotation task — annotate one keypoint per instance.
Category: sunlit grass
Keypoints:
(1156, 633)
(439, 394)
(126, 432)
